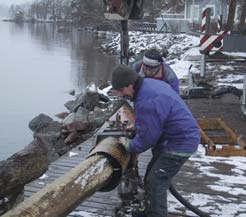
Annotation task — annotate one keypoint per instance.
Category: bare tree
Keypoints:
(231, 14)
(242, 18)
(85, 11)
(51, 9)
(67, 9)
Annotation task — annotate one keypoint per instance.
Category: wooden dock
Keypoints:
(214, 184)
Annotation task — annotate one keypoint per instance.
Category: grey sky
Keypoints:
(9, 2)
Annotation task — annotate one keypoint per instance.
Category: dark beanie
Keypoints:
(152, 58)
(123, 76)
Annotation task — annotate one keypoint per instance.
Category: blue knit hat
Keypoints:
(123, 76)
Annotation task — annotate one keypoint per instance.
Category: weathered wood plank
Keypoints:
(187, 186)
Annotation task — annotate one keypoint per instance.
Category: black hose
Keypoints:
(180, 198)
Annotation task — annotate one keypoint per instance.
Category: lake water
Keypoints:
(38, 66)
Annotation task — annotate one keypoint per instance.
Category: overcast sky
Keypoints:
(9, 2)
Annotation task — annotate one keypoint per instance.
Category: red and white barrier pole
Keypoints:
(205, 26)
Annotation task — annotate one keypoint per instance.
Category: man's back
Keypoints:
(160, 109)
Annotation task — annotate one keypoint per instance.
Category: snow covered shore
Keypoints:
(183, 50)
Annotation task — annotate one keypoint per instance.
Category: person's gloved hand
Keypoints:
(126, 144)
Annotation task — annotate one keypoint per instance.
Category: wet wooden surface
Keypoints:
(227, 107)
(192, 181)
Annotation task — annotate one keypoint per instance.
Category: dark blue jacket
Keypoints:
(163, 122)
(165, 74)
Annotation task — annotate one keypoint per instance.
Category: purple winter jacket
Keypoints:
(163, 122)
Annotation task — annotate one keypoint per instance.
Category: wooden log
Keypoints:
(64, 194)
(23, 167)
(61, 196)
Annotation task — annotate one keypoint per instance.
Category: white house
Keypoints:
(194, 8)
(190, 19)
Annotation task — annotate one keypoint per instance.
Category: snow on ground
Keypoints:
(86, 214)
(225, 183)
(240, 54)
(239, 86)
(237, 177)
(71, 154)
(183, 51)
(44, 176)
(230, 79)
(181, 68)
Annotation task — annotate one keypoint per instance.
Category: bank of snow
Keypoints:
(183, 51)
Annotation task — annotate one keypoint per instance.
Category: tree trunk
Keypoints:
(242, 18)
(23, 167)
(231, 15)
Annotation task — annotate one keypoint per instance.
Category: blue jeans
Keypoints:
(160, 171)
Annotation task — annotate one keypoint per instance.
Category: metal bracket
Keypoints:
(194, 91)
(121, 124)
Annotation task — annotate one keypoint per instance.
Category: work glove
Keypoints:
(126, 144)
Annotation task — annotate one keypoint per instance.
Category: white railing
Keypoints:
(172, 16)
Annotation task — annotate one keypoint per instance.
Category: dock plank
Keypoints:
(105, 203)
(202, 178)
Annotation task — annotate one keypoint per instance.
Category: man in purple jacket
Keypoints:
(153, 66)
(164, 124)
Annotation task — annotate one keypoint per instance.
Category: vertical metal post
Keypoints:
(190, 79)
(207, 28)
(124, 43)
(203, 65)
(244, 95)
(193, 3)
(219, 23)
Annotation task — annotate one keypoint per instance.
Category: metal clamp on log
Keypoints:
(118, 157)
(108, 143)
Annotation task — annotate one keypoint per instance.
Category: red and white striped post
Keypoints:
(208, 41)
(213, 42)
(203, 25)
(206, 13)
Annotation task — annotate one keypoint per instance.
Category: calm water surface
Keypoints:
(38, 66)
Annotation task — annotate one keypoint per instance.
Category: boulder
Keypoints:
(88, 100)
(39, 122)
(70, 105)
